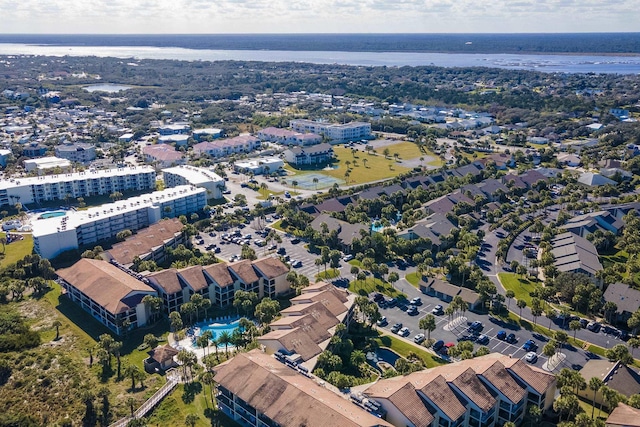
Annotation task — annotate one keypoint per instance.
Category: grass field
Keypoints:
(377, 167)
(520, 286)
(372, 284)
(331, 273)
(403, 348)
(17, 250)
(413, 278)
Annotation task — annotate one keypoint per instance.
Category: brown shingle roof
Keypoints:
(408, 402)
(327, 298)
(194, 277)
(104, 283)
(317, 310)
(220, 274)
(163, 353)
(436, 389)
(323, 286)
(271, 267)
(537, 379)
(294, 340)
(167, 280)
(624, 416)
(498, 376)
(308, 324)
(244, 270)
(145, 240)
(469, 384)
(287, 397)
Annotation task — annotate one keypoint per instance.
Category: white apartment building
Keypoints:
(226, 147)
(199, 177)
(337, 133)
(288, 137)
(80, 229)
(42, 164)
(73, 185)
(76, 153)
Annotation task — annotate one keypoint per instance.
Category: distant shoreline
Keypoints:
(583, 44)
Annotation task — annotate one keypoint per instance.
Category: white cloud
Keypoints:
(251, 16)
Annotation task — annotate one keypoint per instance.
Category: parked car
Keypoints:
(438, 310)
(416, 301)
(512, 339)
(383, 321)
(296, 263)
(347, 258)
(476, 326)
(530, 345)
(378, 297)
(419, 339)
(391, 302)
(281, 251)
(396, 327)
(295, 241)
(531, 357)
(483, 339)
(594, 326)
(404, 332)
(412, 310)
(502, 335)
(438, 345)
(584, 322)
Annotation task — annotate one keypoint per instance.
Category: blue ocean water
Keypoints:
(564, 53)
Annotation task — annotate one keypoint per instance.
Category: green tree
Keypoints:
(428, 324)
(56, 324)
(133, 372)
(521, 304)
(191, 420)
(575, 326)
(267, 310)
(595, 384)
(620, 353)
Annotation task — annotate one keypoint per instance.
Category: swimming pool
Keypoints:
(218, 328)
(53, 214)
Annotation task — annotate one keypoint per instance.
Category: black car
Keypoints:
(295, 241)
(511, 339)
(438, 345)
(281, 251)
(391, 302)
(476, 326)
(378, 296)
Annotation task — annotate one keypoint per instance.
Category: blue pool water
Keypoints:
(52, 214)
(218, 328)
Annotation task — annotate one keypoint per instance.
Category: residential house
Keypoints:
(148, 244)
(435, 227)
(254, 389)
(219, 282)
(446, 292)
(575, 254)
(591, 179)
(588, 223)
(346, 232)
(623, 416)
(162, 155)
(615, 375)
(226, 147)
(309, 156)
(109, 294)
(626, 299)
(485, 391)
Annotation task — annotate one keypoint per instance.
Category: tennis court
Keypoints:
(306, 181)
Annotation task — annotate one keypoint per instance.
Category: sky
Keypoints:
(317, 16)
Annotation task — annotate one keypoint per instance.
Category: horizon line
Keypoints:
(322, 34)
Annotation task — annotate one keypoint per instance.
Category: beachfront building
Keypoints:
(191, 175)
(106, 292)
(162, 155)
(336, 133)
(76, 153)
(262, 165)
(267, 277)
(82, 229)
(44, 164)
(226, 147)
(288, 137)
(73, 185)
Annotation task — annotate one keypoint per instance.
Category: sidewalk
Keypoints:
(461, 320)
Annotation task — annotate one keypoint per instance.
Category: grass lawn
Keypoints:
(331, 273)
(17, 250)
(413, 278)
(404, 348)
(588, 408)
(372, 284)
(278, 225)
(377, 167)
(184, 400)
(520, 286)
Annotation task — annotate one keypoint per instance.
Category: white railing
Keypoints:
(150, 403)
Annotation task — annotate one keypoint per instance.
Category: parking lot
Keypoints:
(230, 249)
(575, 357)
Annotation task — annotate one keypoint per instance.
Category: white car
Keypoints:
(404, 332)
(347, 258)
(531, 357)
(419, 339)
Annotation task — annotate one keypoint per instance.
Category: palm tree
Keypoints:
(509, 295)
(521, 304)
(131, 402)
(427, 323)
(207, 379)
(56, 324)
(191, 420)
(133, 372)
(225, 338)
(575, 326)
(595, 384)
(315, 181)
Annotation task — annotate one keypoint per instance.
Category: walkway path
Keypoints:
(460, 320)
(172, 381)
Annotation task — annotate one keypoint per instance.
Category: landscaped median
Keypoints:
(520, 286)
(404, 348)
